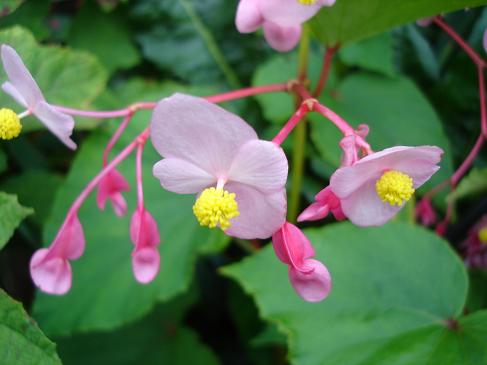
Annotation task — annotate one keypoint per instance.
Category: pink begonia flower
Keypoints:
(111, 188)
(425, 213)
(280, 19)
(375, 188)
(23, 88)
(309, 277)
(475, 246)
(240, 180)
(49, 267)
(145, 236)
(325, 202)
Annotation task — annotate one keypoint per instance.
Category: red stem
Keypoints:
(291, 123)
(138, 171)
(468, 161)
(483, 111)
(115, 137)
(249, 91)
(325, 71)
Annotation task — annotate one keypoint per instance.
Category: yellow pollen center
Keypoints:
(394, 187)
(483, 235)
(10, 126)
(307, 2)
(215, 207)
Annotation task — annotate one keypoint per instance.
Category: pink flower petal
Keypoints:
(119, 204)
(145, 264)
(52, 276)
(248, 18)
(261, 165)
(364, 208)
(69, 242)
(282, 39)
(349, 148)
(143, 230)
(20, 77)
(260, 214)
(14, 93)
(288, 13)
(291, 246)
(314, 212)
(182, 177)
(110, 188)
(195, 130)
(314, 284)
(60, 124)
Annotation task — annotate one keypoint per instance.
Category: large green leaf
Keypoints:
(396, 112)
(11, 214)
(66, 77)
(21, 341)
(105, 35)
(351, 20)
(105, 294)
(398, 295)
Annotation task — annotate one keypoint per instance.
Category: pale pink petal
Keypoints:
(60, 124)
(20, 77)
(70, 240)
(143, 230)
(364, 207)
(110, 188)
(119, 204)
(145, 264)
(14, 93)
(291, 246)
(282, 39)
(288, 13)
(314, 284)
(248, 18)
(180, 176)
(314, 212)
(195, 130)
(260, 214)
(52, 276)
(260, 164)
(349, 147)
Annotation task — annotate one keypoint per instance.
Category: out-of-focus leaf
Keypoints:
(105, 294)
(66, 77)
(474, 183)
(105, 35)
(351, 20)
(426, 56)
(21, 341)
(26, 187)
(8, 6)
(160, 338)
(31, 15)
(396, 112)
(269, 336)
(279, 107)
(390, 302)
(3, 161)
(374, 54)
(11, 214)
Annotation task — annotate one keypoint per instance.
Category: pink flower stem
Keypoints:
(107, 114)
(249, 91)
(456, 37)
(291, 123)
(95, 181)
(329, 53)
(468, 162)
(138, 169)
(483, 110)
(115, 137)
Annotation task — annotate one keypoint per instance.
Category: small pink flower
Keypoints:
(49, 267)
(425, 213)
(281, 19)
(240, 180)
(375, 188)
(325, 202)
(145, 236)
(111, 188)
(475, 246)
(23, 88)
(309, 277)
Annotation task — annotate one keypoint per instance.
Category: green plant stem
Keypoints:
(299, 140)
(211, 44)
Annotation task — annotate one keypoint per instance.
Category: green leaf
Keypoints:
(3, 161)
(105, 294)
(105, 35)
(398, 295)
(31, 15)
(426, 56)
(21, 341)
(26, 187)
(160, 338)
(374, 54)
(396, 112)
(66, 77)
(9, 6)
(351, 20)
(472, 184)
(11, 214)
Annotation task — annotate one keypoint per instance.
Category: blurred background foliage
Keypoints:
(401, 294)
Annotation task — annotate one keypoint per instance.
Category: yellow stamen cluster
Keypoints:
(307, 2)
(215, 207)
(483, 235)
(10, 126)
(394, 187)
